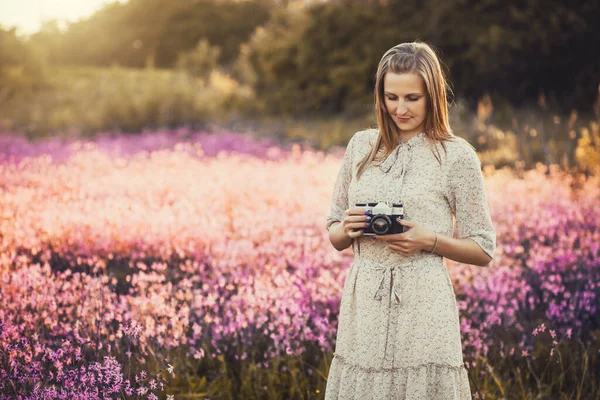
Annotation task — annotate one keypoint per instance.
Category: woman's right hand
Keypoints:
(355, 220)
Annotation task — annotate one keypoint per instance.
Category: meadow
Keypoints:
(181, 264)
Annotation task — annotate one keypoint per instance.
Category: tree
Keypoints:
(201, 61)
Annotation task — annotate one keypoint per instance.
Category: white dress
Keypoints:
(398, 331)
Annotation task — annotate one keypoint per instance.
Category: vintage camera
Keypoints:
(383, 218)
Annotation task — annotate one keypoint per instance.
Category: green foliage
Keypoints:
(89, 100)
(306, 71)
(141, 32)
(225, 24)
(201, 61)
(22, 68)
(322, 58)
(285, 377)
(553, 370)
(319, 133)
(317, 58)
(588, 149)
(516, 51)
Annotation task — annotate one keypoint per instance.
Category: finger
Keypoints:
(355, 234)
(357, 218)
(396, 246)
(357, 225)
(355, 211)
(397, 237)
(406, 247)
(360, 218)
(356, 222)
(399, 251)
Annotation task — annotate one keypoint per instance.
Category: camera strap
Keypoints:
(356, 243)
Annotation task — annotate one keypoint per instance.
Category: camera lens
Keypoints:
(380, 224)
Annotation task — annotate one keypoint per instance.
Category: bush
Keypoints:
(200, 61)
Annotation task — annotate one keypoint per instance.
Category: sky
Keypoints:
(27, 15)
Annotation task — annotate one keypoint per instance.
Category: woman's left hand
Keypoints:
(416, 238)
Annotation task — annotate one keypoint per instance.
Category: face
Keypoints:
(406, 101)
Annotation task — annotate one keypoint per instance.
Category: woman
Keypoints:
(398, 333)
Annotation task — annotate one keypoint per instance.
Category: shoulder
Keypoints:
(361, 142)
(461, 153)
(363, 137)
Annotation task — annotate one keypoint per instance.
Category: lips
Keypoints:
(403, 119)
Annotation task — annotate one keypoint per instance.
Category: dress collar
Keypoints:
(419, 137)
(391, 159)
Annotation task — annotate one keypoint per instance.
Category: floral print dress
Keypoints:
(398, 331)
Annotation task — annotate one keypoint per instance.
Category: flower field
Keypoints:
(183, 264)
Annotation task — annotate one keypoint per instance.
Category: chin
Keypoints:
(406, 126)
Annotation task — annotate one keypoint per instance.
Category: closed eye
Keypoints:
(409, 98)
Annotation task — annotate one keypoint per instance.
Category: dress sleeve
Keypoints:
(468, 202)
(339, 199)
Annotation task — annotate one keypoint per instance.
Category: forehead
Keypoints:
(403, 83)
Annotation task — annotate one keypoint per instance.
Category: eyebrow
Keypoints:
(409, 94)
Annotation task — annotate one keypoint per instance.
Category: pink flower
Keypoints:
(142, 390)
(199, 354)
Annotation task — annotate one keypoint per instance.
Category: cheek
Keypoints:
(422, 108)
(389, 105)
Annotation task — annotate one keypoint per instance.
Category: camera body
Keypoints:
(383, 218)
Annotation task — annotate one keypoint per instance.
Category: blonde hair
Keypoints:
(420, 58)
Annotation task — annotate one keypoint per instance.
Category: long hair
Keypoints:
(420, 58)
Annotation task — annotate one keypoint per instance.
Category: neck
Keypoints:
(405, 137)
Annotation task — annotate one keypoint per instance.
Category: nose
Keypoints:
(401, 110)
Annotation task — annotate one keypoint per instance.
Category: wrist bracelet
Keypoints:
(435, 244)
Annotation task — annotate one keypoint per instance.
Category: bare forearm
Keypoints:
(338, 237)
(465, 250)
